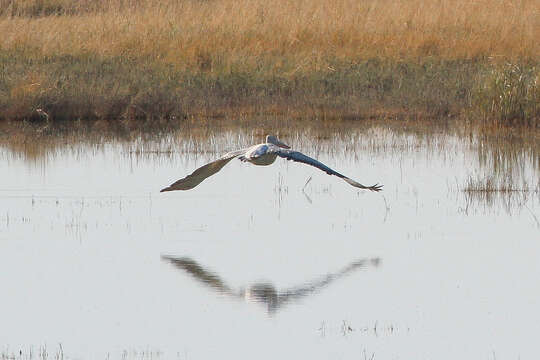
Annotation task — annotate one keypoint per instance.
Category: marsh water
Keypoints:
(273, 262)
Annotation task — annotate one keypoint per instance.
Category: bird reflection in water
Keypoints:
(265, 293)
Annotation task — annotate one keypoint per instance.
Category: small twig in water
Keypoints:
(322, 329)
(370, 358)
(307, 182)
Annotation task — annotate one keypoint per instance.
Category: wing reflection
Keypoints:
(266, 293)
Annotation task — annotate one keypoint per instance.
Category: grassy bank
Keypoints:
(150, 59)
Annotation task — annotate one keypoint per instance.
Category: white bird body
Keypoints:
(261, 154)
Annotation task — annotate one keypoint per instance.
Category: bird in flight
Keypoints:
(261, 154)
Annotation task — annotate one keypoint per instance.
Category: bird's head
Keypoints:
(271, 139)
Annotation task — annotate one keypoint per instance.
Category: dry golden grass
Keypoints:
(220, 34)
(103, 58)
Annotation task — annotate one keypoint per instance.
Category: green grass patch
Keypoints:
(89, 86)
(509, 94)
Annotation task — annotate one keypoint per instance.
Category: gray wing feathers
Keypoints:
(205, 171)
(299, 157)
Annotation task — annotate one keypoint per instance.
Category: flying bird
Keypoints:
(261, 154)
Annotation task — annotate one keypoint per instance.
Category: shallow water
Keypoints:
(269, 262)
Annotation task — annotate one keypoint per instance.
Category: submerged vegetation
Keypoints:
(500, 191)
(498, 184)
(112, 59)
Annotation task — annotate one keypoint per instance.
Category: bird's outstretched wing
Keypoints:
(205, 171)
(299, 157)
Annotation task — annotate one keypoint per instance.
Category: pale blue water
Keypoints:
(253, 264)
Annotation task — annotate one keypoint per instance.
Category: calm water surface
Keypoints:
(255, 263)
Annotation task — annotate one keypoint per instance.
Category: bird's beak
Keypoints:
(282, 144)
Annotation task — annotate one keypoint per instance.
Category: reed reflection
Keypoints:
(265, 293)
